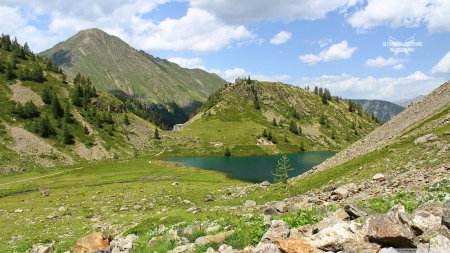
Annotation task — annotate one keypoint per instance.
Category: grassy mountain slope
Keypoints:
(115, 66)
(85, 133)
(229, 119)
(383, 110)
(431, 112)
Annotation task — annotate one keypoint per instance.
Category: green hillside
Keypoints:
(383, 110)
(46, 119)
(236, 116)
(116, 67)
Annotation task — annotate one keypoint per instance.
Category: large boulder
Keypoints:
(278, 230)
(218, 238)
(340, 193)
(335, 237)
(392, 229)
(295, 244)
(94, 242)
(423, 221)
(281, 207)
(425, 138)
(188, 248)
(446, 213)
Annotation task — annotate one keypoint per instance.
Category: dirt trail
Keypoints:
(33, 178)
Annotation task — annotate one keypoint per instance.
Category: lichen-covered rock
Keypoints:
(424, 221)
(93, 242)
(446, 213)
(392, 229)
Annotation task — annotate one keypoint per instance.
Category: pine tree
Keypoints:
(269, 136)
(156, 134)
(46, 95)
(67, 136)
(274, 122)
(126, 121)
(48, 64)
(57, 110)
(26, 48)
(302, 146)
(68, 115)
(324, 99)
(322, 119)
(86, 130)
(45, 128)
(281, 175)
(264, 133)
(320, 92)
(316, 90)
(9, 72)
(227, 151)
(293, 127)
(30, 110)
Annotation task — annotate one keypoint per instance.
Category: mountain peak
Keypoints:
(115, 66)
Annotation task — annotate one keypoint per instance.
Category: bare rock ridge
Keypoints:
(385, 134)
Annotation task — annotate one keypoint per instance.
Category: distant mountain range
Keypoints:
(116, 67)
(383, 110)
(408, 102)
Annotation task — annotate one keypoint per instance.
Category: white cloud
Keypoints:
(380, 62)
(189, 63)
(281, 37)
(433, 13)
(232, 11)
(443, 66)
(398, 67)
(125, 19)
(336, 52)
(232, 74)
(322, 42)
(384, 88)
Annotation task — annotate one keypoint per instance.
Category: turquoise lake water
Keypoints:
(254, 168)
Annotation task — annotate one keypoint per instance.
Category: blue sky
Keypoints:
(332, 44)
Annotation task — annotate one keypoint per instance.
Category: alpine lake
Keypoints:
(255, 169)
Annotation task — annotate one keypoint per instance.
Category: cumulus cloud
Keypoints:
(336, 52)
(395, 14)
(232, 74)
(189, 63)
(127, 20)
(281, 38)
(380, 62)
(398, 67)
(443, 66)
(384, 88)
(322, 42)
(232, 11)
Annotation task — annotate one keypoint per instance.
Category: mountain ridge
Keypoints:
(114, 65)
(383, 110)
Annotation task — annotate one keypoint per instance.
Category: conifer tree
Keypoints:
(293, 127)
(57, 110)
(264, 133)
(45, 128)
(67, 136)
(274, 122)
(9, 72)
(156, 134)
(227, 151)
(46, 96)
(281, 175)
(126, 121)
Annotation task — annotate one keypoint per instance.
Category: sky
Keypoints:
(375, 49)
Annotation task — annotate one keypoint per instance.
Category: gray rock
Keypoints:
(266, 248)
(446, 213)
(194, 209)
(225, 249)
(378, 177)
(281, 207)
(278, 229)
(213, 229)
(341, 192)
(439, 244)
(62, 209)
(250, 203)
(425, 138)
(184, 248)
(265, 185)
(354, 212)
(387, 250)
(424, 221)
(392, 229)
(218, 238)
(210, 250)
